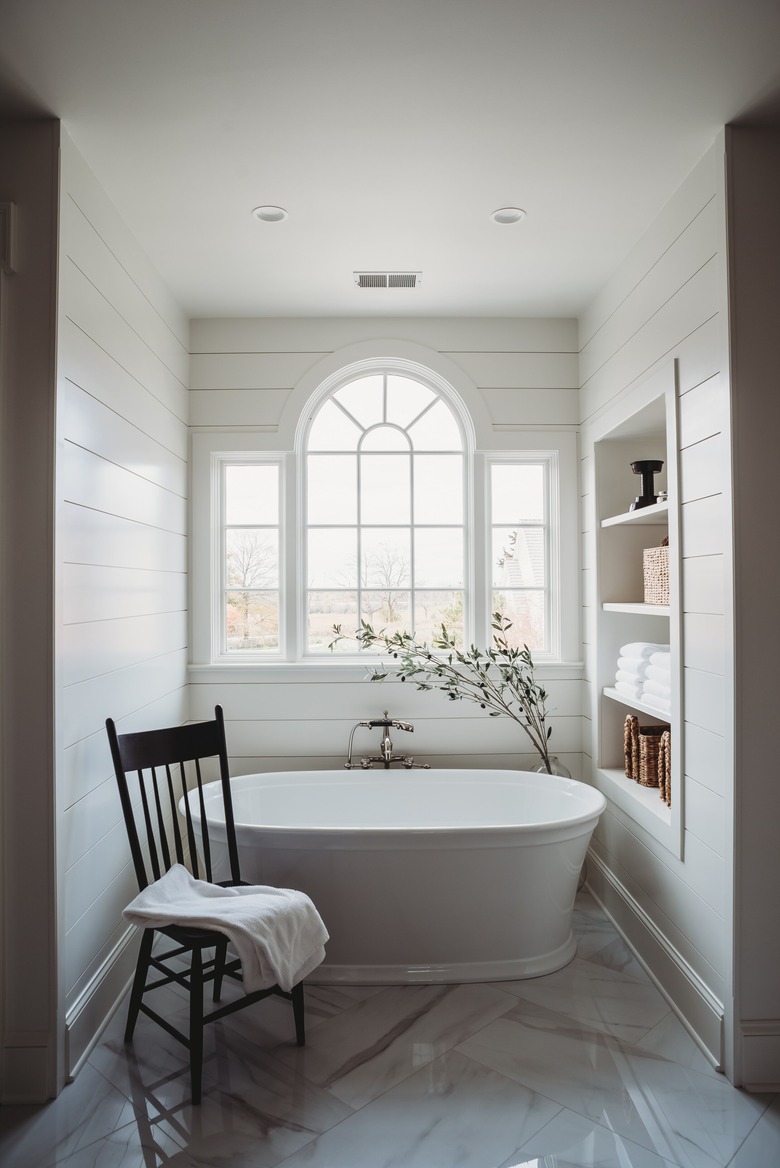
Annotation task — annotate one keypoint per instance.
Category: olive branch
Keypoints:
(499, 679)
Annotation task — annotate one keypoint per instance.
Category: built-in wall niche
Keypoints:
(642, 424)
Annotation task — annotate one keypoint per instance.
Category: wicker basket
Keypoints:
(642, 748)
(655, 562)
(665, 768)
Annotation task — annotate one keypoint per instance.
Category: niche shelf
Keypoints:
(641, 424)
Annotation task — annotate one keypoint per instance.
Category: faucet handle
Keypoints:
(403, 726)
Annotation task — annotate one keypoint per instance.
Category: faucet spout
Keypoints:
(385, 756)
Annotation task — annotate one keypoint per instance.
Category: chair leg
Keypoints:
(196, 1023)
(139, 982)
(220, 958)
(297, 1004)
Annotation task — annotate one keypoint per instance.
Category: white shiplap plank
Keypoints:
(686, 310)
(355, 700)
(89, 872)
(686, 204)
(87, 536)
(250, 370)
(87, 763)
(237, 407)
(91, 254)
(702, 411)
(703, 469)
(704, 642)
(532, 407)
(98, 373)
(86, 704)
(704, 530)
(520, 370)
(705, 811)
(91, 481)
(704, 584)
(689, 252)
(442, 334)
(705, 700)
(79, 184)
(431, 735)
(91, 934)
(101, 594)
(705, 761)
(103, 647)
(86, 422)
(87, 308)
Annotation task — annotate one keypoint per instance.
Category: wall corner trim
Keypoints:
(8, 238)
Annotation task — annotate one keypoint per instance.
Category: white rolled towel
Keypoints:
(641, 649)
(628, 691)
(658, 689)
(629, 678)
(662, 657)
(659, 673)
(634, 664)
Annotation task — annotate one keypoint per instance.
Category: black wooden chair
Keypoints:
(154, 769)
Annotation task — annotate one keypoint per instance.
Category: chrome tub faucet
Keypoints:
(386, 756)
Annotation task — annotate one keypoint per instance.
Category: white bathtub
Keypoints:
(422, 876)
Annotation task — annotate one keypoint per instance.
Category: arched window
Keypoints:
(385, 510)
(384, 494)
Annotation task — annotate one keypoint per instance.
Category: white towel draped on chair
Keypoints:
(277, 932)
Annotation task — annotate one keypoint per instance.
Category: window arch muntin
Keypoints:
(441, 392)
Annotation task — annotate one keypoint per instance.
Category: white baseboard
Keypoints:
(697, 1008)
(96, 1004)
(26, 1069)
(760, 1054)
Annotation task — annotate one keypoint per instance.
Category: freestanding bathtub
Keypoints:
(421, 876)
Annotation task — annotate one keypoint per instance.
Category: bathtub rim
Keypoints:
(409, 837)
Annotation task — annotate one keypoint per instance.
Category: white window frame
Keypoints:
(549, 461)
(467, 439)
(284, 443)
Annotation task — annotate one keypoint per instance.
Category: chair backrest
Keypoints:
(161, 766)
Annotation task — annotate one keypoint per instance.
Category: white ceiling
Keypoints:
(390, 129)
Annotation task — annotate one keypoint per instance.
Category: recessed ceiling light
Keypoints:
(270, 214)
(505, 216)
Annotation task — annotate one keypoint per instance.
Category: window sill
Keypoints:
(330, 671)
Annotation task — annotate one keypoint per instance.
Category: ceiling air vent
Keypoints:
(388, 279)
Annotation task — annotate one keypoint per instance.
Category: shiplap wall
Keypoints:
(668, 302)
(122, 558)
(242, 373)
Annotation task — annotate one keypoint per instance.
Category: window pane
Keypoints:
(332, 430)
(386, 609)
(518, 493)
(436, 430)
(406, 399)
(438, 488)
(385, 438)
(386, 558)
(385, 488)
(326, 609)
(363, 399)
(526, 612)
(252, 494)
(434, 609)
(332, 559)
(251, 558)
(438, 558)
(252, 621)
(518, 557)
(332, 488)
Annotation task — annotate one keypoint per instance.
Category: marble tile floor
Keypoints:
(583, 1068)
